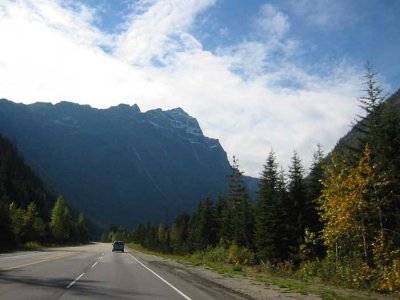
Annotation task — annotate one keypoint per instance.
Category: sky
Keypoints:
(280, 75)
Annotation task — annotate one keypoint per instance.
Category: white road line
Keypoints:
(73, 282)
(94, 264)
(162, 279)
(13, 256)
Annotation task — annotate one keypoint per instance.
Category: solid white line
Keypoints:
(94, 264)
(73, 282)
(13, 256)
(162, 279)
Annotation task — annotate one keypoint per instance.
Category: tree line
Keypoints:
(29, 212)
(340, 222)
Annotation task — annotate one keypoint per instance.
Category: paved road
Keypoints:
(90, 272)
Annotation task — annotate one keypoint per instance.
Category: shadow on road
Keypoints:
(87, 288)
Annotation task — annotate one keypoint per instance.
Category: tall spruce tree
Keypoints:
(297, 197)
(268, 214)
(205, 225)
(367, 124)
(240, 209)
(81, 229)
(179, 233)
(314, 187)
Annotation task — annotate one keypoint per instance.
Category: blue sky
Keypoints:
(258, 75)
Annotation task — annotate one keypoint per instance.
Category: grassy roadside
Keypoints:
(36, 246)
(257, 273)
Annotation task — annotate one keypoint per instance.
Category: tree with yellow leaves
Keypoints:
(351, 208)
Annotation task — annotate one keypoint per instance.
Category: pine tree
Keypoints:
(314, 187)
(297, 212)
(268, 215)
(205, 226)
(81, 229)
(370, 103)
(239, 208)
(313, 224)
(60, 220)
(224, 224)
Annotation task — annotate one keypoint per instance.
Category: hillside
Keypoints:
(119, 165)
(350, 139)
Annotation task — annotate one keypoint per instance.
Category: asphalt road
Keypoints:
(91, 272)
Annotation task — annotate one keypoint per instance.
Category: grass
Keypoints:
(32, 246)
(287, 284)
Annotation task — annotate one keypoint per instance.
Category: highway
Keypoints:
(93, 272)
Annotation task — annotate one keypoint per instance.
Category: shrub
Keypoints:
(240, 255)
(32, 246)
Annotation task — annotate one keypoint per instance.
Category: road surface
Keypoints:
(93, 272)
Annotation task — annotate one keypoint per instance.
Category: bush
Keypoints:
(390, 278)
(240, 255)
(32, 246)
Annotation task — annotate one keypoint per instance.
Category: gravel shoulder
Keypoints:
(230, 285)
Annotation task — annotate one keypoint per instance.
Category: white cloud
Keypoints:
(159, 31)
(327, 14)
(272, 22)
(240, 95)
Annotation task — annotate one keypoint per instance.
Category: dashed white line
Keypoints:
(94, 264)
(162, 279)
(73, 282)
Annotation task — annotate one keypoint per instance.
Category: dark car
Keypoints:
(118, 246)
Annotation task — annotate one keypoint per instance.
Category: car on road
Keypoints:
(118, 246)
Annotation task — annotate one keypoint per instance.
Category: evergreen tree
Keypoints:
(367, 125)
(239, 208)
(205, 225)
(297, 210)
(268, 215)
(81, 229)
(179, 233)
(313, 224)
(314, 187)
(224, 221)
(60, 220)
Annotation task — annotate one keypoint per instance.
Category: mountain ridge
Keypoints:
(119, 165)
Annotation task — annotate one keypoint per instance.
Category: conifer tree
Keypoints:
(205, 225)
(268, 214)
(179, 233)
(370, 103)
(81, 229)
(314, 187)
(240, 209)
(296, 214)
(223, 221)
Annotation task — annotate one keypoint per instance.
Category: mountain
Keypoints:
(119, 165)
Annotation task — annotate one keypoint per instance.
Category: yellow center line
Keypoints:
(41, 261)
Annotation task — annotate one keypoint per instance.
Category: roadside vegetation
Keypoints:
(30, 215)
(339, 224)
